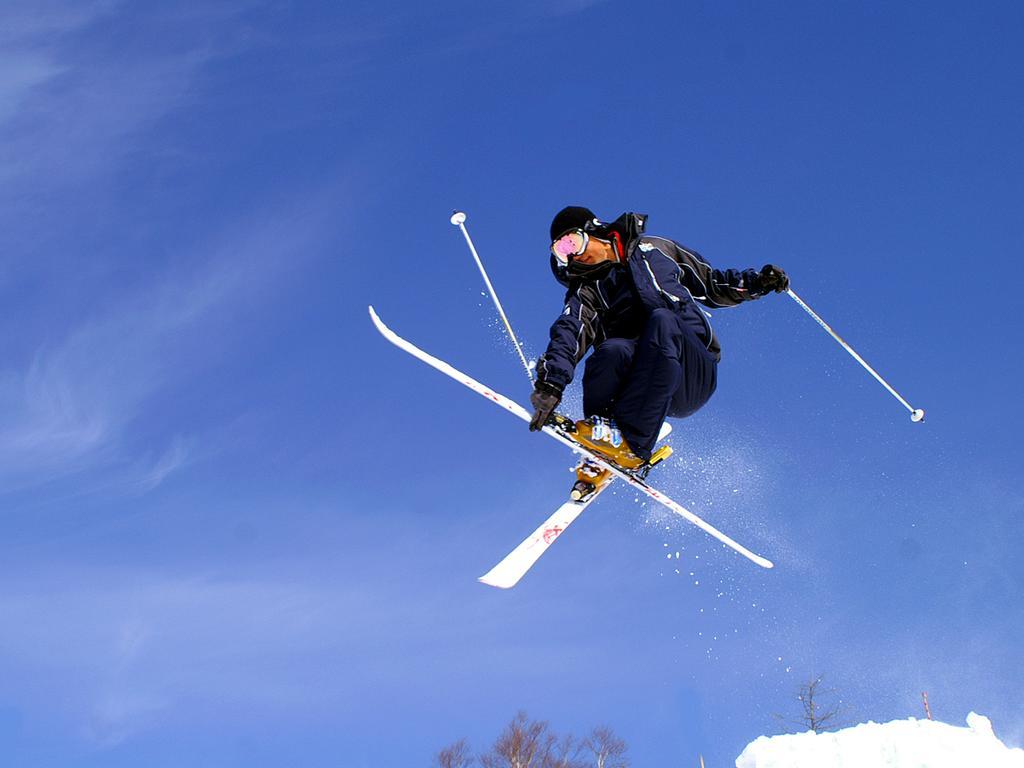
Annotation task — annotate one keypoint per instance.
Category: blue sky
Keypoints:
(239, 528)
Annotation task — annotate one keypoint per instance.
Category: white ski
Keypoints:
(509, 571)
(513, 407)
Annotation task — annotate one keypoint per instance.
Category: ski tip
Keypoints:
(495, 583)
(377, 321)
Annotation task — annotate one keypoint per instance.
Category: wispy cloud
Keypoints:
(110, 652)
(174, 458)
(568, 7)
(65, 112)
(38, 21)
(76, 106)
(20, 74)
(83, 87)
(67, 411)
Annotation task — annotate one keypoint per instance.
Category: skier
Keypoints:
(633, 298)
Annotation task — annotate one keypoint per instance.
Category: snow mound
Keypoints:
(899, 744)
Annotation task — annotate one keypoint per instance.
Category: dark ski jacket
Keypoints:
(614, 300)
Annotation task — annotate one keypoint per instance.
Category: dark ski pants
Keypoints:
(667, 371)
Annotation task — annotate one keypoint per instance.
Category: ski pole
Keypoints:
(459, 220)
(916, 414)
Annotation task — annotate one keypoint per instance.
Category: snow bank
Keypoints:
(899, 744)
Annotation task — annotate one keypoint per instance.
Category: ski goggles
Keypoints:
(572, 243)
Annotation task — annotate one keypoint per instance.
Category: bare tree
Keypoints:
(526, 743)
(454, 756)
(819, 710)
(529, 743)
(607, 749)
(564, 754)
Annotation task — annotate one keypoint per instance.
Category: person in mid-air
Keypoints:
(632, 297)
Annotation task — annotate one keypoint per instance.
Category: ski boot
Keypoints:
(603, 438)
(590, 478)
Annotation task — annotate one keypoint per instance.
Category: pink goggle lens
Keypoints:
(570, 244)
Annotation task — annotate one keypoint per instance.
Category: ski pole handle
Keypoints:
(459, 220)
(916, 414)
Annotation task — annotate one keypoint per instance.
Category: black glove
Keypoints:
(773, 279)
(545, 399)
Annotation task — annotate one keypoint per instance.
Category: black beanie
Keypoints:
(573, 217)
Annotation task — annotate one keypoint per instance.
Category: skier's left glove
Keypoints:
(545, 399)
(773, 279)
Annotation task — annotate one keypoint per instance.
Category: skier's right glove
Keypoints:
(773, 279)
(545, 399)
